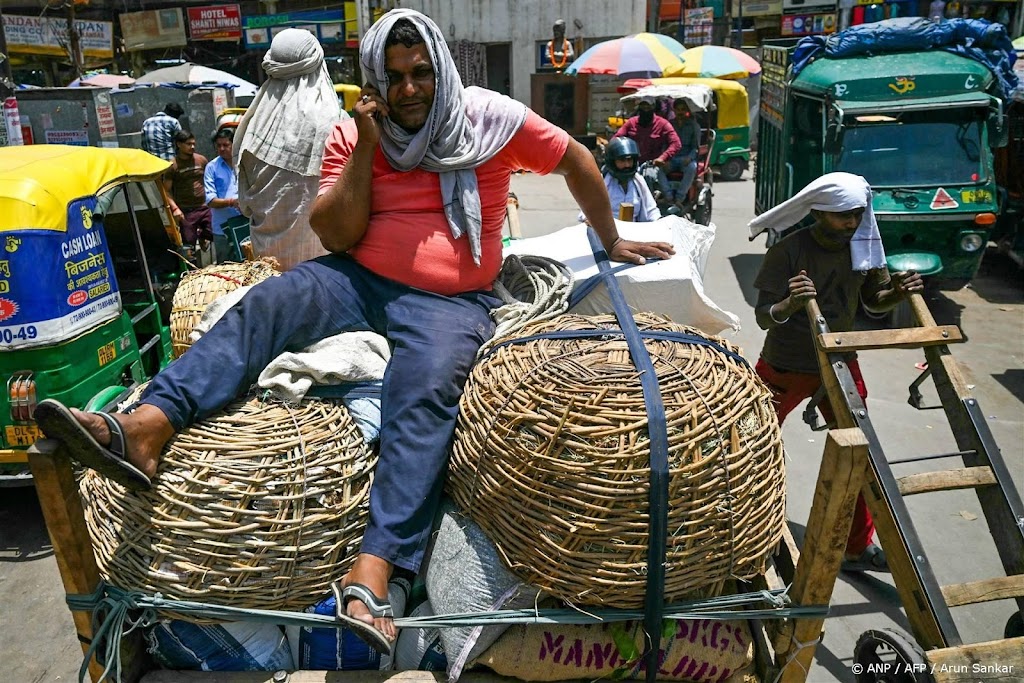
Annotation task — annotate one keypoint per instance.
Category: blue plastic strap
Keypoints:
(585, 287)
(654, 601)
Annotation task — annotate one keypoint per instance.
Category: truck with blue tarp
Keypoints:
(917, 109)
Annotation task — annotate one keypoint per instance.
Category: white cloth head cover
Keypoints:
(835, 192)
(291, 116)
(465, 126)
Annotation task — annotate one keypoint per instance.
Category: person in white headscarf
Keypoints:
(411, 204)
(839, 262)
(279, 145)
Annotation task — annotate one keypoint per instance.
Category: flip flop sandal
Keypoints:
(871, 560)
(378, 608)
(57, 422)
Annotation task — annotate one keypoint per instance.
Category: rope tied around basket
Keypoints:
(111, 607)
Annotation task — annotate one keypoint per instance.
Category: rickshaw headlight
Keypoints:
(971, 242)
(21, 395)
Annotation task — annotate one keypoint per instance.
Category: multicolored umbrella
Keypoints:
(715, 61)
(643, 55)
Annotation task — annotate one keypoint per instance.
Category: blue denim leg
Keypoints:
(434, 343)
(435, 340)
(316, 299)
(689, 173)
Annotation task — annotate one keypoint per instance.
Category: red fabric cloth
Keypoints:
(408, 239)
(656, 141)
(790, 389)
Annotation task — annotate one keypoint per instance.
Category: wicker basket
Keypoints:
(261, 506)
(551, 458)
(198, 288)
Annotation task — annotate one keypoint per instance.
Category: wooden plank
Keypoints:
(322, 677)
(986, 590)
(908, 338)
(65, 522)
(840, 479)
(946, 480)
(997, 660)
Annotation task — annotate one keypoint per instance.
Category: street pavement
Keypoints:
(38, 641)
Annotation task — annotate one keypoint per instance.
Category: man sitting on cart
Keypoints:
(838, 261)
(657, 140)
(411, 204)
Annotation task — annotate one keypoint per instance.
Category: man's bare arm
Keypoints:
(586, 185)
(341, 215)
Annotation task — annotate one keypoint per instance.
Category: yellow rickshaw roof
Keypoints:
(37, 182)
(733, 109)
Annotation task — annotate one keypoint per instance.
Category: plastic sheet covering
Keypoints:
(977, 39)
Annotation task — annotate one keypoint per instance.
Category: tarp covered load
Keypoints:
(977, 39)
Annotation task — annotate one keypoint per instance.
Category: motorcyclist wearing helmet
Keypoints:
(622, 159)
(656, 139)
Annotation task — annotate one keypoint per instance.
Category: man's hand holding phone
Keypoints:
(368, 112)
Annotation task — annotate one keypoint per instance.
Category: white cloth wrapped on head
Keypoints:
(465, 126)
(833, 192)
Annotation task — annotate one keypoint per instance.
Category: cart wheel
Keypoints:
(1014, 626)
(889, 656)
(702, 212)
(732, 169)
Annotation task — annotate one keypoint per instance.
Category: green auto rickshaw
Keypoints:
(86, 278)
(730, 153)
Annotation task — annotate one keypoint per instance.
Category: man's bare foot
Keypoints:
(146, 432)
(374, 573)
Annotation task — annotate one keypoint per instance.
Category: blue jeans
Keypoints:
(434, 341)
(689, 170)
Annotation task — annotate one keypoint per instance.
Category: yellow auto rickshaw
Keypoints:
(730, 155)
(87, 273)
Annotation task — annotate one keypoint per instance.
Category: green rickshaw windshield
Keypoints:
(913, 149)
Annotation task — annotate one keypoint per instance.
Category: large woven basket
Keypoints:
(199, 288)
(551, 458)
(261, 506)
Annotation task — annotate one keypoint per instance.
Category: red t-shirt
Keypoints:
(408, 239)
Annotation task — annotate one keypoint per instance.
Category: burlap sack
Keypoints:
(701, 651)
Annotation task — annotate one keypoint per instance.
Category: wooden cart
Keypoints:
(784, 648)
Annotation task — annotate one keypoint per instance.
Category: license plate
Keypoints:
(106, 353)
(22, 435)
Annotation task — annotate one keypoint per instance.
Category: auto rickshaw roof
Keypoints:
(37, 182)
(731, 97)
(894, 76)
(699, 97)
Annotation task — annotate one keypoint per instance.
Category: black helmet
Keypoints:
(620, 148)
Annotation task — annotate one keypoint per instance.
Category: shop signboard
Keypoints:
(808, 24)
(49, 36)
(697, 26)
(327, 25)
(153, 29)
(757, 8)
(215, 22)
